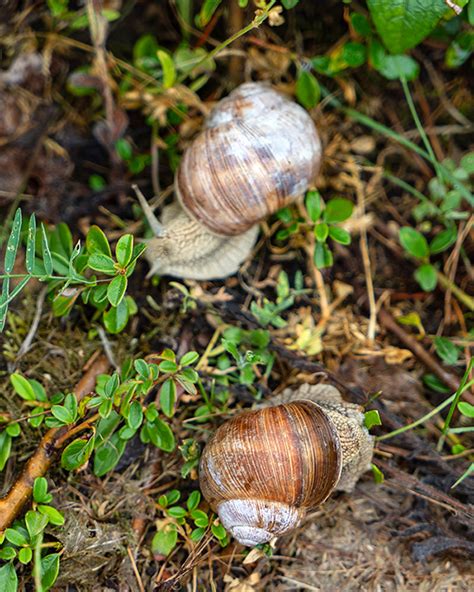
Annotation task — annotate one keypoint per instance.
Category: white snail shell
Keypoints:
(259, 151)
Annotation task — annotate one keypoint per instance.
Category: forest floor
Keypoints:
(364, 323)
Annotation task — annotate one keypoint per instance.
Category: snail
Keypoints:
(258, 152)
(263, 470)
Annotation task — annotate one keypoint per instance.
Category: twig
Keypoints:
(39, 463)
(135, 570)
(411, 483)
(107, 346)
(364, 249)
(391, 324)
(25, 346)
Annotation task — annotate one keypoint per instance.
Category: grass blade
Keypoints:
(13, 242)
(31, 245)
(47, 259)
(3, 302)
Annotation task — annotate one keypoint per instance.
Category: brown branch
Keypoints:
(391, 324)
(52, 441)
(406, 482)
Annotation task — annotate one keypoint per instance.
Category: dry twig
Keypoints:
(52, 441)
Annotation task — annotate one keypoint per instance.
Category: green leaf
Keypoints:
(218, 531)
(76, 454)
(197, 534)
(403, 24)
(96, 242)
(414, 242)
(5, 448)
(200, 518)
(25, 555)
(47, 259)
(40, 491)
(116, 319)
(338, 210)
(193, 500)
(13, 242)
(354, 54)
(435, 384)
(165, 540)
(108, 455)
(124, 149)
(135, 416)
(322, 256)
(35, 523)
(393, 67)
(173, 496)
(189, 358)
(446, 350)
(49, 570)
(62, 414)
(289, 4)
(443, 240)
(372, 418)
(321, 231)
(124, 249)
(169, 70)
(161, 435)
(8, 578)
(54, 516)
(308, 91)
(466, 409)
(313, 205)
(23, 387)
(102, 263)
(340, 235)
(427, 277)
(31, 245)
(168, 397)
(176, 512)
(360, 24)
(379, 477)
(15, 537)
(207, 10)
(116, 290)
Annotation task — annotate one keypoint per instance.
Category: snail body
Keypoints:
(263, 470)
(258, 152)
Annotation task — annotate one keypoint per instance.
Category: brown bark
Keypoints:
(20, 492)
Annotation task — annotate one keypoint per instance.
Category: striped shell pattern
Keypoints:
(259, 151)
(263, 470)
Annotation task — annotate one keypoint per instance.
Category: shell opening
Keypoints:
(254, 521)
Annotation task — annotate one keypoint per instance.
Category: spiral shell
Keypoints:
(263, 470)
(258, 152)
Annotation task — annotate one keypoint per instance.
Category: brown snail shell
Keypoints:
(263, 470)
(258, 152)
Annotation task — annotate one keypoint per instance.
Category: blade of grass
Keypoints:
(389, 133)
(462, 387)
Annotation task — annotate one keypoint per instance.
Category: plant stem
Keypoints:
(462, 387)
(460, 294)
(410, 426)
(257, 21)
(386, 131)
(419, 125)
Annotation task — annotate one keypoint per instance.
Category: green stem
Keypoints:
(446, 283)
(462, 387)
(257, 21)
(387, 132)
(419, 125)
(410, 426)
(407, 187)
